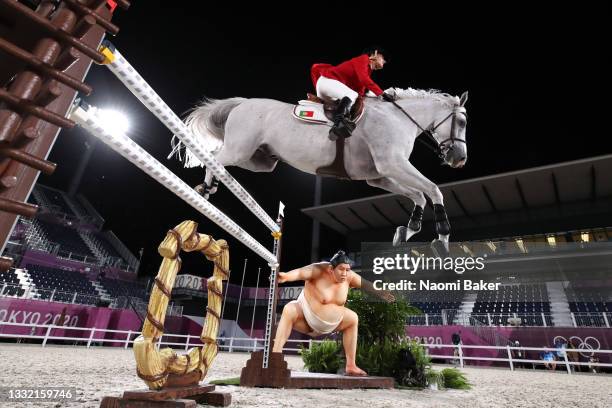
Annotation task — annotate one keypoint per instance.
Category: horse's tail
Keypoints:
(207, 122)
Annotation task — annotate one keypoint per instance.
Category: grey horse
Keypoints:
(255, 134)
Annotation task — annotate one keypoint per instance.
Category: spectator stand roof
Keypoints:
(553, 198)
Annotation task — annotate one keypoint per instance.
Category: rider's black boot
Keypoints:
(343, 127)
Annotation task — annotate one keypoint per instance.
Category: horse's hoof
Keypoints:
(400, 235)
(200, 189)
(410, 233)
(440, 248)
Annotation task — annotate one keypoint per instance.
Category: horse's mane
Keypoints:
(411, 93)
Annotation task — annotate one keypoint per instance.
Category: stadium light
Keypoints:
(467, 250)
(521, 245)
(114, 120)
(552, 241)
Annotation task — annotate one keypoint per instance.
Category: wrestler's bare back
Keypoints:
(325, 296)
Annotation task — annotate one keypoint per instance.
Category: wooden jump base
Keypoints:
(277, 375)
(174, 397)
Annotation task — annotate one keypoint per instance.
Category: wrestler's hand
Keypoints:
(388, 296)
(281, 277)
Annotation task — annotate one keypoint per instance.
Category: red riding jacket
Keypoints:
(354, 73)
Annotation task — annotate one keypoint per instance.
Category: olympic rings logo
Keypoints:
(589, 343)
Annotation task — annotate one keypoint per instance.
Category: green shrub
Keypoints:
(324, 357)
(434, 378)
(378, 320)
(379, 359)
(454, 378)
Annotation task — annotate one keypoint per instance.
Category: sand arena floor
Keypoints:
(97, 372)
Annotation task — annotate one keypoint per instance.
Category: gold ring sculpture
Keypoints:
(165, 368)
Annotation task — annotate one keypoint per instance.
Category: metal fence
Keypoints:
(45, 332)
(592, 319)
(460, 358)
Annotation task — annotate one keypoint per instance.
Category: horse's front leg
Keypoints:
(406, 174)
(404, 233)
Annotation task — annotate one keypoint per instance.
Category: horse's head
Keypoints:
(450, 134)
(448, 119)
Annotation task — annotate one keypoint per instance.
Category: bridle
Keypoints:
(439, 148)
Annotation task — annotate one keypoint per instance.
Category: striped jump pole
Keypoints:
(122, 69)
(86, 117)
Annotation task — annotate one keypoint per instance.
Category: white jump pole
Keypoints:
(139, 87)
(129, 149)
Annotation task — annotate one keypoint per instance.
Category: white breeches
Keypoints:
(331, 89)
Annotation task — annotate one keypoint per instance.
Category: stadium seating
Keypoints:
(105, 246)
(588, 305)
(433, 303)
(525, 301)
(55, 198)
(68, 239)
(116, 288)
(77, 205)
(13, 287)
(65, 283)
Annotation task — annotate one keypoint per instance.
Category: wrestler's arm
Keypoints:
(358, 282)
(304, 273)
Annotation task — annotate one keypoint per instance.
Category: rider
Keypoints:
(345, 82)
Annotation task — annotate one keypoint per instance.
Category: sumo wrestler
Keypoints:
(320, 307)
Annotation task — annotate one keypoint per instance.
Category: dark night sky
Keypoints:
(533, 79)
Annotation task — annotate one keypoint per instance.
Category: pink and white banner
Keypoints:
(46, 313)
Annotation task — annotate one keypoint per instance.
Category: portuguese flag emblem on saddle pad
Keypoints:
(306, 114)
(310, 112)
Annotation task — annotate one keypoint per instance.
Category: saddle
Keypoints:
(319, 111)
(330, 106)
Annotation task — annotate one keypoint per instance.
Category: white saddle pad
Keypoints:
(313, 112)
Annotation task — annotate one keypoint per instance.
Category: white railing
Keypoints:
(461, 358)
(230, 344)
(592, 319)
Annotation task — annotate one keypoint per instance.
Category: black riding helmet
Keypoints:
(340, 257)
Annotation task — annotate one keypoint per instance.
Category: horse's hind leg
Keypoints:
(209, 186)
(404, 233)
(231, 154)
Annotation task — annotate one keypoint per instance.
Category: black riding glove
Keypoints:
(387, 97)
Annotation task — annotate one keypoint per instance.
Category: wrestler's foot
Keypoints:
(355, 371)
